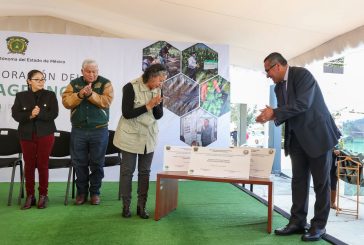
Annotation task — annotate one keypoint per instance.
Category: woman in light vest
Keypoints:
(137, 131)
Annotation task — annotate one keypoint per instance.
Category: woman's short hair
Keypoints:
(32, 73)
(154, 71)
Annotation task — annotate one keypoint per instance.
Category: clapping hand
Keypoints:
(154, 102)
(266, 114)
(86, 91)
(35, 112)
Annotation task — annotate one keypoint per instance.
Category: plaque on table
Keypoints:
(176, 158)
(220, 162)
(261, 162)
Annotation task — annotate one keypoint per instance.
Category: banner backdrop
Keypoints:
(120, 60)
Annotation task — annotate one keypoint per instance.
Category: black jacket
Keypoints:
(44, 123)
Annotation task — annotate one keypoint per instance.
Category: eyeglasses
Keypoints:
(38, 80)
(267, 70)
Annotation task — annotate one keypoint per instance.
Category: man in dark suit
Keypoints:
(310, 135)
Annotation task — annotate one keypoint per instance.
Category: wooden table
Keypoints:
(167, 191)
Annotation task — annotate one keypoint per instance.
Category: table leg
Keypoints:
(270, 207)
(166, 197)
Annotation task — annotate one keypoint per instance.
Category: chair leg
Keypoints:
(21, 191)
(73, 182)
(120, 184)
(68, 186)
(23, 176)
(11, 185)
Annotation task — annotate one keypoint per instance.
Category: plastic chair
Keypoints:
(10, 146)
(60, 156)
(112, 158)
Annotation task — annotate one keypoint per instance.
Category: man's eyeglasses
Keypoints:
(267, 70)
(39, 80)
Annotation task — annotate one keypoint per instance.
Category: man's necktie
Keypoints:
(287, 135)
(284, 91)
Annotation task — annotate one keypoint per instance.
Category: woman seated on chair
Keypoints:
(35, 110)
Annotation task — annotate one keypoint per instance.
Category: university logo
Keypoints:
(17, 45)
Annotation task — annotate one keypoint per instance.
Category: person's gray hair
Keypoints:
(87, 62)
(154, 71)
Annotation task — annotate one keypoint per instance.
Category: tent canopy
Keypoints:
(252, 28)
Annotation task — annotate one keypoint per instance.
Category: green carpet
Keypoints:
(207, 213)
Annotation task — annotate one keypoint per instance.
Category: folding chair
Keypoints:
(60, 156)
(112, 158)
(350, 170)
(10, 146)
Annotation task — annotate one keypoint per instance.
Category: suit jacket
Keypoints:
(306, 113)
(44, 123)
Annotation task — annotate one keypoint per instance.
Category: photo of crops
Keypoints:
(193, 126)
(199, 62)
(163, 53)
(180, 94)
(215, 96)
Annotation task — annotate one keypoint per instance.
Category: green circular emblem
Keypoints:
(17, 45)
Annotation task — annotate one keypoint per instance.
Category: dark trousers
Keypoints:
(333, 173)
(88, 149)
(319, 167)
(192, 73)
(36, 155)
(128, 164)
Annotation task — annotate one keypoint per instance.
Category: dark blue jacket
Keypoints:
(306, 113)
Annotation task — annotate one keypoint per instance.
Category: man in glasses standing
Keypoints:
(89, 97)
(310, 134)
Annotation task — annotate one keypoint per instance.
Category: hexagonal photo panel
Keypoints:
(199, 62)
(180, 94)
(198, 128)
(215, 96)
(163, 53)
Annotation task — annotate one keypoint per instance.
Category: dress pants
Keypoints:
(333, 172)
(36, 155)
(192, 73)
(319, 167)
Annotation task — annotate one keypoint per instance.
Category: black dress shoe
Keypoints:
(290, 229)
(142, 212)
(126, 212)
(313, 234)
